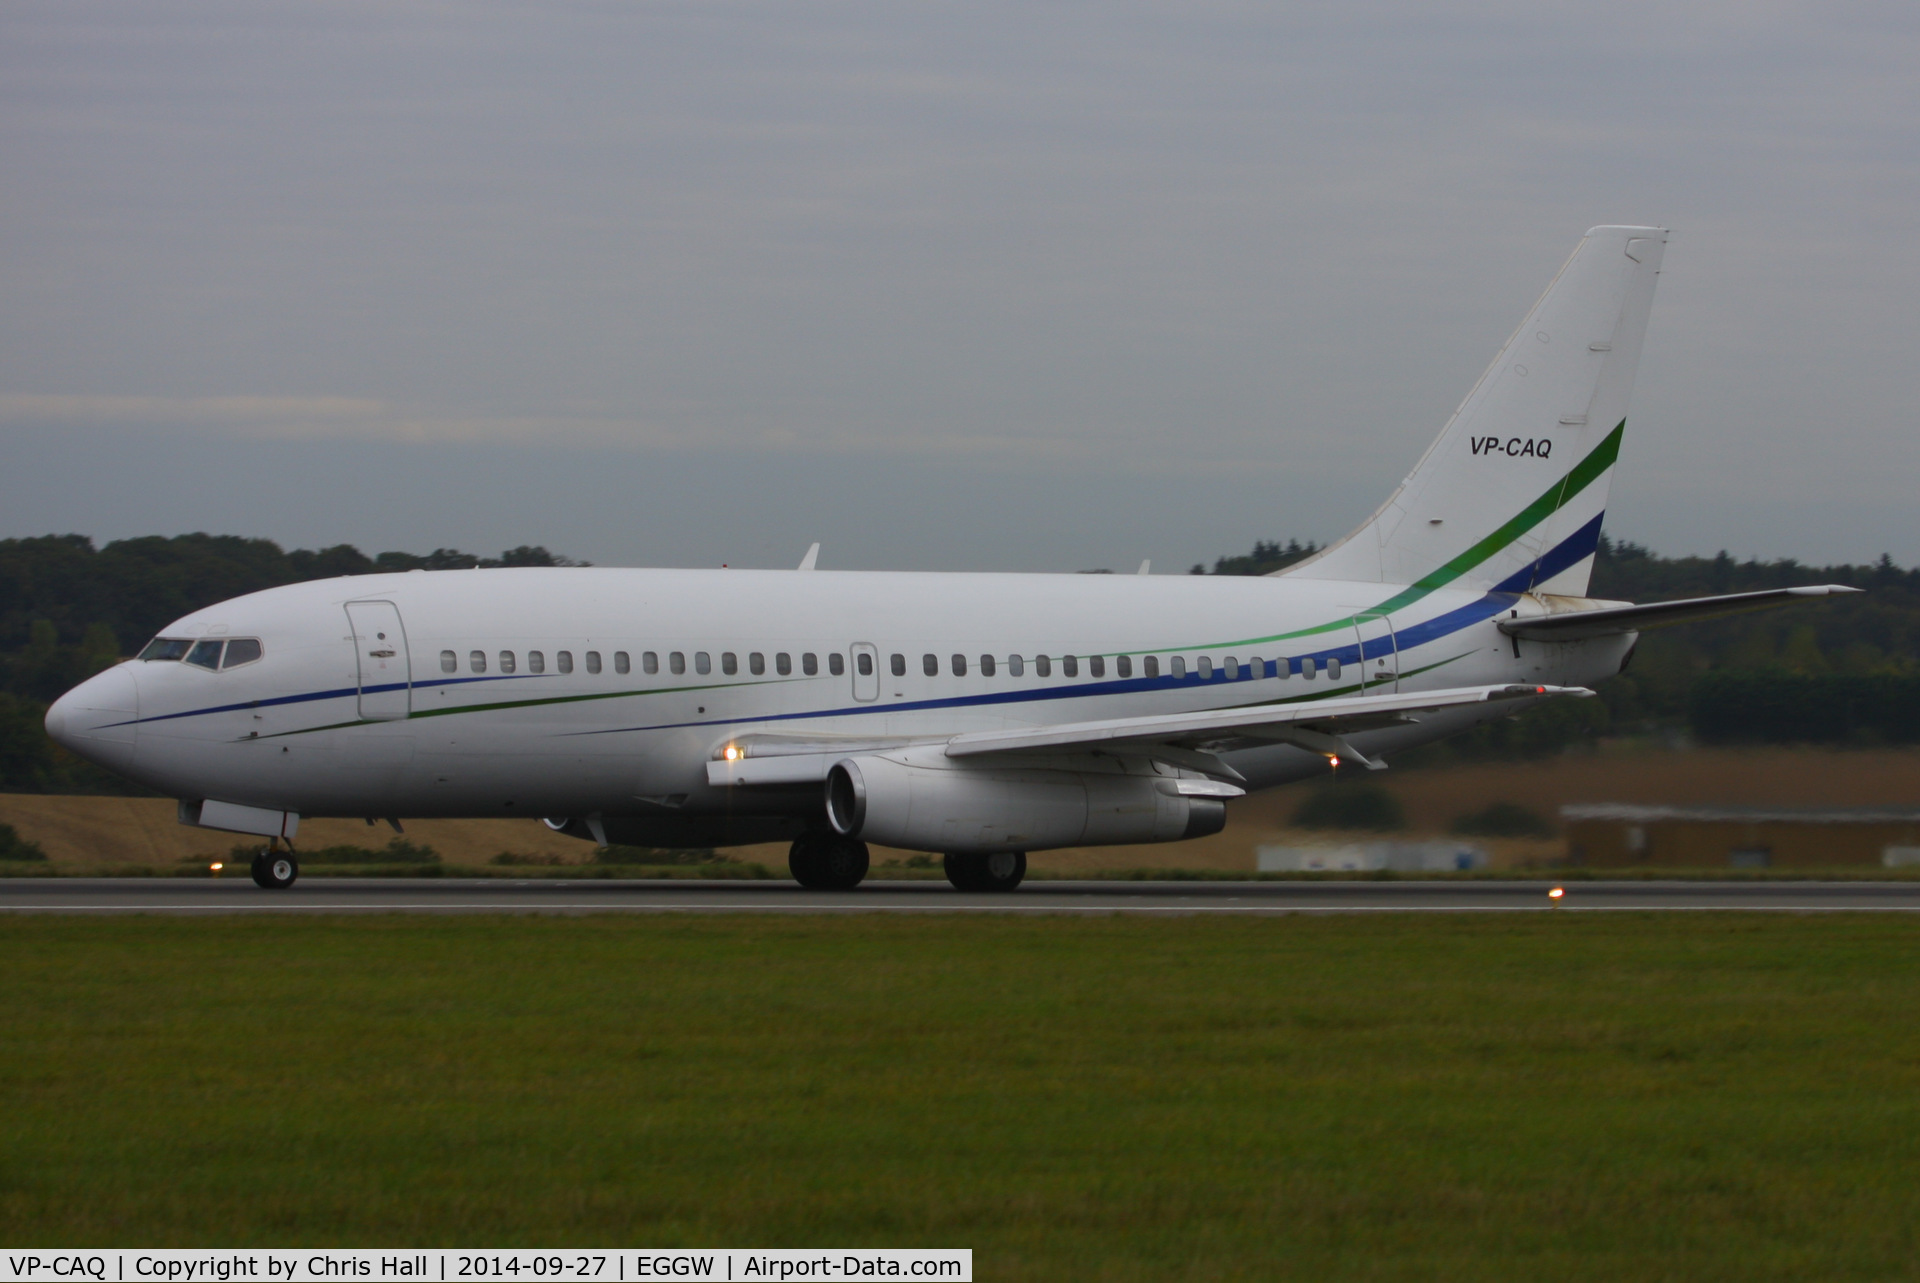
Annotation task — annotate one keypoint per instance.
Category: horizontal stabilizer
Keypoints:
(1609, 621)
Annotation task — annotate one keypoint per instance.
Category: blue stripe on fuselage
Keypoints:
(342, 693)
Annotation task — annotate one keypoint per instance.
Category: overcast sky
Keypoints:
(1028, 286)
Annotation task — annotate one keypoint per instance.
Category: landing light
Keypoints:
(733, 753)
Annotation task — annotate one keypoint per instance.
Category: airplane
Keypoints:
(979, 716)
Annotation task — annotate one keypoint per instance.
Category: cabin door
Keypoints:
(1379, 656)
(380, 655)
(866, 671)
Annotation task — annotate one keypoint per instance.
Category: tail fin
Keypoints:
(1511, 495)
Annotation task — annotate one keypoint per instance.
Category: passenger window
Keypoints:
(1178, 666)
(244, 650)
(1283, 668)
(702, 662)
(1016, 666)
(536, 662)
(1096, 666)
(649, 662)
(1043, 665)
(205, 654)
(1150, 665)
(810, 665)
(1233, 669)
(507, 663)
(1307, 668)
(449, 662)
(986, 665)
(729, 663)
(677, 662)
(1123, 666)
(899, 664)
(1206, 668)
(564, 661)
(930, 665)
(1333, 669)
(593, 661)
(783, 664)
(477, 661)
(621, 662)
(1069, 666)
(1256, 668)
(866, 664)
(959, 665)
(837, 664)
(756, 663)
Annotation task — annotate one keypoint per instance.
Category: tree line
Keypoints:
(69, 609)
(1841, 670)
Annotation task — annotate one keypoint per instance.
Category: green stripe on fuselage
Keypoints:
(1584, 474)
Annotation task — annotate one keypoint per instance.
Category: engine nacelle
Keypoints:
(927, 806)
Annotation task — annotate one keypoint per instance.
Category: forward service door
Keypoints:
(380, 656)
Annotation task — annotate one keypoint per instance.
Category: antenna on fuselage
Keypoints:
(813, 555)
(1145, 566)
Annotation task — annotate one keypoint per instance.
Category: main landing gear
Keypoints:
(828, 863)
(275, 870)
(1000, 871)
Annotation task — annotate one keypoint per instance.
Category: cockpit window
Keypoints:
(241, 650)
(205, 654)
(166, 648)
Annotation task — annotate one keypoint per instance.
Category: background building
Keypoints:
(1617, 835)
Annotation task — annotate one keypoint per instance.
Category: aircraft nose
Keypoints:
(57, 721)
(96, 718)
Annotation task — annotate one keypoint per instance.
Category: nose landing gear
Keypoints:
(275, 870)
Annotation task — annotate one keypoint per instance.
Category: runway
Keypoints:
(488, 895)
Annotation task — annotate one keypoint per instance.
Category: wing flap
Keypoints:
(1277, 722)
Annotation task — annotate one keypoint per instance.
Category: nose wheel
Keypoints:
(1000, 871)
(275, 870)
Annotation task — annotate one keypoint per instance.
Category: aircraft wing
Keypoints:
(1320, 725)
(1579, 625)
(1189, 739)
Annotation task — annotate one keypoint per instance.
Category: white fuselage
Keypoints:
(458, 722)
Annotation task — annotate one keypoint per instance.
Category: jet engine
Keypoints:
(932, 806)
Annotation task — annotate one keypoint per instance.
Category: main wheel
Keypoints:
(842, 864)
(803, 858)
(999, 871)
(828, 863)
(275, 870)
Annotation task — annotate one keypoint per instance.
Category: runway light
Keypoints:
(1555, 894)
(216, 866)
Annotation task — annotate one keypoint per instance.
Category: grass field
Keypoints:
(1568, 1097)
